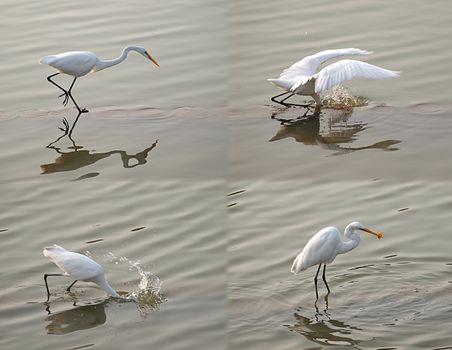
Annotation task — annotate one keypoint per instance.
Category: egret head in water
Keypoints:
(78, 266)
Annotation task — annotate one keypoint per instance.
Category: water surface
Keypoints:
(187, 175)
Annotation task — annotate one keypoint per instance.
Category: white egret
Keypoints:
(323, 247)
(80, 63)
(78, 266)
(302, 78)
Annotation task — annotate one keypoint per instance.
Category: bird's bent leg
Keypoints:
(315, 282)
(84, 110)
(58, 86)
(324, 279)
(67, 93)
(282, 102)
(69, 288)
(294, 104)
(45, 280)
(274, 97)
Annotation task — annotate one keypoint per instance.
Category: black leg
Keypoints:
(324, 279)
(47, 286)
(66, 93)
(58, 86)
(285, 98)
(69, 288)
(315, 282)
(84, 110)
(288, 104)
(274, 97)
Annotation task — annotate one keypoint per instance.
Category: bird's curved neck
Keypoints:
(102, 64)
(352, 240)
(102, 282)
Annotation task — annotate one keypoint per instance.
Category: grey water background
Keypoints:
(183, 169)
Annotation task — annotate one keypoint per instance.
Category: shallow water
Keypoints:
(195, 193)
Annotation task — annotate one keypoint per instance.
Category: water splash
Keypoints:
(341, 98)
(148, 295)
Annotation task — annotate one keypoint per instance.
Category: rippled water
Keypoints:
(195, 193)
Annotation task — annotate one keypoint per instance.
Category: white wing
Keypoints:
(75, 63)
(321, 248)
(341, 71)
(308, 65)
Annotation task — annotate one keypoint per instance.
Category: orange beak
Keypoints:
(152, 60)
(378, 234)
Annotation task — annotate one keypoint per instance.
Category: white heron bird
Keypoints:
(302, 78)
(78, 266)
(325, 245)
(80, 63)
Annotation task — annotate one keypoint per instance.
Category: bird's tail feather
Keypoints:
(46, 59)
(283, 84)
(296, 266)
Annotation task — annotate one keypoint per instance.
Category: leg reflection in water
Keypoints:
(320, 326)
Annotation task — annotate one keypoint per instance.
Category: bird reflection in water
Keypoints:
(78, 158)
(330, 131)
(322, 329)
(76, 319)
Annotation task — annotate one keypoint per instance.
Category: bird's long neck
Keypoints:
(102, 64)
(351, 242)
(102, 282)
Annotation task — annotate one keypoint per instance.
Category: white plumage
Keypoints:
(80, 63)
(321, 248)
(325, 245)
(78, 266)
(302, 78)
(75, 63)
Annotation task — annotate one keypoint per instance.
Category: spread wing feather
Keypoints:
(309, 65)
(344, 70)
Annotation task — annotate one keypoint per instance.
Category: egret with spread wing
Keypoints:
(325, 245)
(302, 78)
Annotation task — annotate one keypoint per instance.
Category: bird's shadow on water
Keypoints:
(331, 130)
(77, 158)
(81, 317)
(319, 325)
(75, 319)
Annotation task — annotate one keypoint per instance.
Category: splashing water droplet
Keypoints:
(341, 98)
(148, 296)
